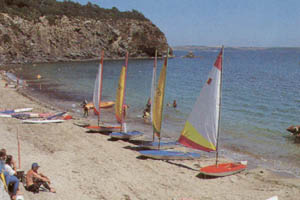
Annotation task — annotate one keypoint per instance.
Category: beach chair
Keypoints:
(2, 177)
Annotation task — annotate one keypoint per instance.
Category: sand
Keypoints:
(90, 166)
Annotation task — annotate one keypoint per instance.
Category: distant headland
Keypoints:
(49, 31)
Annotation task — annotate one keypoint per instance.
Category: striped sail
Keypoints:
(120, 96)
(153, 85)
(98, 87)
(201, 128)
(158, 103)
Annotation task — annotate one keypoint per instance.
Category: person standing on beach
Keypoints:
(85, 108)
(34, 180)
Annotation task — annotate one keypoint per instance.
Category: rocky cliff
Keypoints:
(70, 38)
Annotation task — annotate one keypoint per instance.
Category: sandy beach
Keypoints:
(90, 166)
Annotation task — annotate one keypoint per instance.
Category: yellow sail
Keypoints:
(120, 96)
(158, 103)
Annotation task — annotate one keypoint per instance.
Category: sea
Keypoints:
(260, 97)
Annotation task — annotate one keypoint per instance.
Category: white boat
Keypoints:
(29, 121)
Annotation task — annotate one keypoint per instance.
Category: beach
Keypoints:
(90, 166)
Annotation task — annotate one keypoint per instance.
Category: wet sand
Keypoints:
(90, 166)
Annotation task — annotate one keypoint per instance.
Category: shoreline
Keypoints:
(41, 98)
(89, 166)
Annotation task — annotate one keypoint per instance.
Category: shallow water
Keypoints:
(260, 97)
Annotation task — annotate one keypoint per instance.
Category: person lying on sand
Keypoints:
(34, 180)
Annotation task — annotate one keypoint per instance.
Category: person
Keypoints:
(174, 104)
(147, 109)
(85, 108)
(10, 165)
(34, 180)
(9, 173)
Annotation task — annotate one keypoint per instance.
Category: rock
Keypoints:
(22, 40)
(190, 55)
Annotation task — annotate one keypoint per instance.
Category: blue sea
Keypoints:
(260, 97)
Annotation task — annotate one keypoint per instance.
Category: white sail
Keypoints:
(201, 128)
(153, 85)
(98, 88)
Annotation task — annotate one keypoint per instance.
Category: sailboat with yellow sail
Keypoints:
(121, 108)
(201, 130)
(98, 104)
(157, 100)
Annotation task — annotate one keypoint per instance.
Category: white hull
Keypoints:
(42, 121)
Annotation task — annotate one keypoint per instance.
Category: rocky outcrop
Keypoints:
(33, 41)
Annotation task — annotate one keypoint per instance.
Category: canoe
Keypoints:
(107, 104)
(104, 104)
(126, 136)
(162, 145)
(224, 169)
(28, 121)
(169, 155)
(16, 110)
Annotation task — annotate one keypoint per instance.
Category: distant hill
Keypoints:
(33, 9)
(49, 31)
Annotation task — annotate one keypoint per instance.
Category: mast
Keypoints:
(220, 93)
(100, 84)
(153, 88)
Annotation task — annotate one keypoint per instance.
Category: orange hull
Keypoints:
(105, 104)
(224, 169)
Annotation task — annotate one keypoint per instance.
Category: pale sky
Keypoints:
(262, 23)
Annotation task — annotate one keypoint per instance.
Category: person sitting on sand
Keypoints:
(10, 165)
(34, 180)
(9, 173)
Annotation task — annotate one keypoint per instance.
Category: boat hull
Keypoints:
(156, 145)
(224, 169)
(126, 136)
(103, 128)
(169, 155)
(43, 121)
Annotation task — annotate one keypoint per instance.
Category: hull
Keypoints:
(155, 145)
(126, 136)
(104, 128)
(169, 155)
(42, 121)
(107, 104)
(224, 169)
(16, 110)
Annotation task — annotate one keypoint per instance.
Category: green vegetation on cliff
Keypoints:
(33, 9)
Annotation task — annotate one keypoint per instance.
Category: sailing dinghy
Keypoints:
(153, 111)
(120, 108)
(157, 123)
(103, 128)
(201, 130)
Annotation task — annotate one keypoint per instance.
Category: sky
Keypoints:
(247, 23)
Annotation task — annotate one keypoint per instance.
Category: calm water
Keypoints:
(261, 97)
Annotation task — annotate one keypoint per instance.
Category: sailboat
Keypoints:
(120, 107)
(157, 101)
(201, 130)
(98, 103)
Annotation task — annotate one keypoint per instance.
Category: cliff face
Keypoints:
(23, 41)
